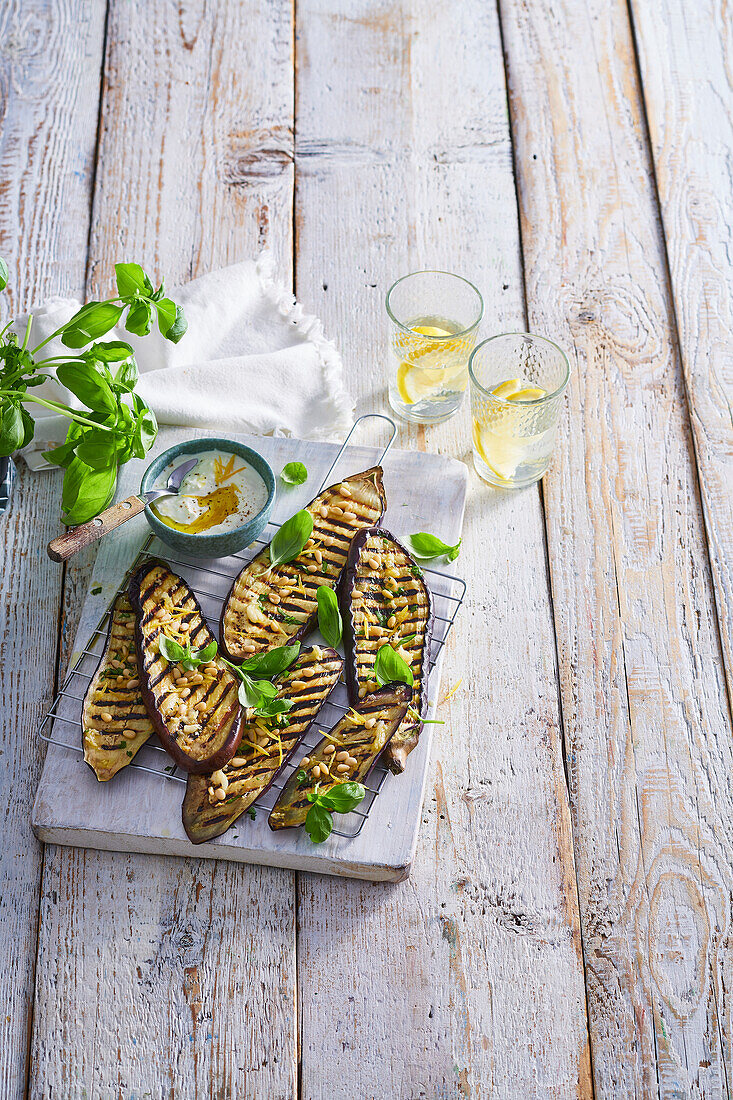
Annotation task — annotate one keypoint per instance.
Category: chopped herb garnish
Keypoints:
(251, 812)
(96, 590)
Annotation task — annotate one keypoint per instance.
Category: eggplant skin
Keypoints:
(250, 773)
(220, 725)
(248, 615)
(388, 705)
(360, 576)
(110, 746)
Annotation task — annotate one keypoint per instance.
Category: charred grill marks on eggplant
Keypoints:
(214, 802)
(115, 723)
(347, 753)
(196, 714)
(267, 608)
(386, 600)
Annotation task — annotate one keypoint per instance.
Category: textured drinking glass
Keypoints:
(517, 387)
(434, 317)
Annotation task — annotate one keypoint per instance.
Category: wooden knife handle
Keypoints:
(62, 548)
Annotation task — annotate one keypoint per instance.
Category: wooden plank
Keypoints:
(142, 813)
(646, 722)
(48, 126)
(466, 980)
(194, 171)
(684, 53)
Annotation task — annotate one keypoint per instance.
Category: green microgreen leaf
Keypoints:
(252, 813)
(294, 473)
(291, 538)
(389, 667)
(427, 546)
(329, 616)
(93, 320)
(301, 777)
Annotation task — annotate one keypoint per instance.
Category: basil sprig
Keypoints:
(427, 547)
(389, 667)
(190, 658)
(294, 473)
(114, 423)
(329, 616)
(341, 798)
(260, 695)
(291, 538)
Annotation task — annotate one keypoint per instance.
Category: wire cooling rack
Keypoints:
(211, 581)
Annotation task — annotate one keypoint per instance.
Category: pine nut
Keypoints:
(220, 795)
(298, 685)
(374, 562)
(249, 647)
(305, 761)
(128, 733)
(311, 569)
(274, 598)
(316, 772)
(349, 517)
(159, 613)
(197, 678)
(318, 556)
(329, 749)
(328, 540)
(336, 511)
(352, 761)
(344, 489)
(200, 706)
(133, 683)
(285, 592)
(190, 729)
(211, 669)
(343, 755)
(185, 693)
(106, 716)
(391, 622)
(342, 768)
(323, 511)
(370, 723)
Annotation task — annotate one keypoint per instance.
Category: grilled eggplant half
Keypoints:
(214, 802)
(114, 721)
(199, 737)
(347, 753)
(384, 599)
(267, 608)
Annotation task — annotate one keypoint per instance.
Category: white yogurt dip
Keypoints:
(220, 493)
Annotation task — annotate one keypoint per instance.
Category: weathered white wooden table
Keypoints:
(566, 930)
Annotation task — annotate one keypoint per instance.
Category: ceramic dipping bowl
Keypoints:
(204, 544)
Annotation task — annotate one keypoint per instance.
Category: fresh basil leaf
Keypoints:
(178, 328)
(252, 812)
(255, 693)
(93, 320)
(291, 538)
(146, 429)
(29, 426)
(343, 797)
(170, 649)
(86, 492)
(273, 662)
(390, 668)
(126, 375)
(131, 280)
(98, 450)
(111, 351)
(294, 473)
(4, 274)
(12, 429)
(207, 653)
(64, 453)
(166, 310)
(318, 823)
(427, 546)
(86, 383)
(139, 317)
(272, 707)
(329, 616)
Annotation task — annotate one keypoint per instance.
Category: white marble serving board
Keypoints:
(141, 812)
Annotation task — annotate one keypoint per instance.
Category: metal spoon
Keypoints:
(62, 548)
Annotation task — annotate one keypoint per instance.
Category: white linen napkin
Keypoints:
(251, 361)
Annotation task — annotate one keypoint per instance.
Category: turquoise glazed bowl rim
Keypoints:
(222, 543)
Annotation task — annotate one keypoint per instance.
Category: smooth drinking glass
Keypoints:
(517, 387)
(434, 317)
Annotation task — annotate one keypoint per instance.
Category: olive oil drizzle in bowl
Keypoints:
(218, 505)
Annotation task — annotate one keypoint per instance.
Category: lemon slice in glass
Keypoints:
(529, 393)
(501, 452)
(506, 389)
